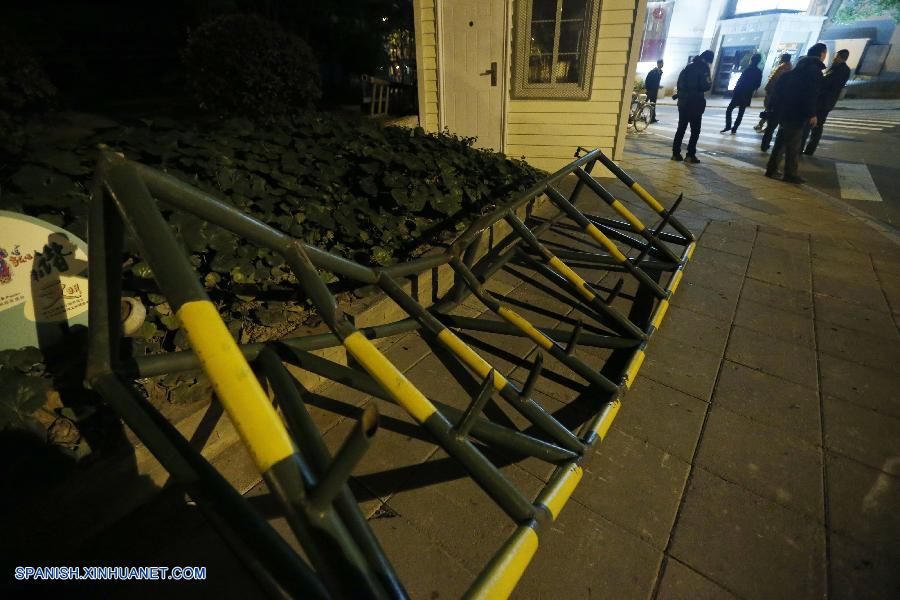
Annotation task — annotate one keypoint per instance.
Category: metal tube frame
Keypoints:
(311, 485)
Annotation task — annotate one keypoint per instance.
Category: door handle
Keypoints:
(493, 73)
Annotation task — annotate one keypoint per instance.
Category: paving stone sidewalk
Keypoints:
(792, 488)
(757, 455)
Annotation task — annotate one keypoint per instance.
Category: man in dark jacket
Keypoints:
(795, 102)
(652, 85)
(693, 82)
(835, 79)
(747, 84)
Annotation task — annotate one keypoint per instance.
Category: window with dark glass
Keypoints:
(554, 48)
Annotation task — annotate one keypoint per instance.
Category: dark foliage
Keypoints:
(370, 193)
(24, 88)
(247, 66)
(24, 379)
(23, 84)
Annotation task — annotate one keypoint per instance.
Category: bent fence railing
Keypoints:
(379, 95)
(564, 251)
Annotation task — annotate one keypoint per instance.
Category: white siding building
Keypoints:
(531, 78)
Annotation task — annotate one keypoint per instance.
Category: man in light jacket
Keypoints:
(783, 67)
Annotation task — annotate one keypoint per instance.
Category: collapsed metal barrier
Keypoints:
(344, 556)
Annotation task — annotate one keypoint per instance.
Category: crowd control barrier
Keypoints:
(559, 248)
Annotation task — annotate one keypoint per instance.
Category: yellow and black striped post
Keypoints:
(329, 546)
(543, 341)
(581, 287)
(312, 497)
(636, 225)
(607, 244)
(644, 195)
(406, 394)
(525, 405)
(501, 575)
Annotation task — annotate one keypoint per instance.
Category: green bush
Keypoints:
(25, 383)
(247, 66)
(858, 10)
(639, 86)
(377, 195)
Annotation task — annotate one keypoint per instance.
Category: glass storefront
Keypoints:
(734, 56)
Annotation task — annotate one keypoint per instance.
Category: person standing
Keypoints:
(794, 102)
(652, 85)
(835, 79)
(783, 67)
(747, 85)
(771, 120)
(693, 82)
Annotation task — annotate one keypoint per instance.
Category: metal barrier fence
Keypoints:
(379, 95)
(345, 558)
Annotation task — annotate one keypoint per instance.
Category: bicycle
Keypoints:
(642, 112)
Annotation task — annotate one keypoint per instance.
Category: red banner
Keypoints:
(655, 30)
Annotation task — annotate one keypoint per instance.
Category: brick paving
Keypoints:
(792, 441)
(757, 455)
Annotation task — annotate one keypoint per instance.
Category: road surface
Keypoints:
(858, 159)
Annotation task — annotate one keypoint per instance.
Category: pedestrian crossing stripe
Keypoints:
(721, 137)
(830, 123)
(859, 123)
(856, 182)
(718, 124)
(833, 122)
(863, 121)
(708, 134)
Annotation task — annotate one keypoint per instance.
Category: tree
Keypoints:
(857, 10)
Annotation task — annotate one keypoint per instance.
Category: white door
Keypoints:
(473, 68)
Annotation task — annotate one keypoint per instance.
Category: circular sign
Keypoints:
(43, 282)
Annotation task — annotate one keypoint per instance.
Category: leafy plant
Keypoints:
(857, 10)
(373, 194)
(639, 86)
(25, 386)
(244, 65)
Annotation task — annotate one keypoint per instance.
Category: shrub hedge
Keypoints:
(247, 66)
(370, 193)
